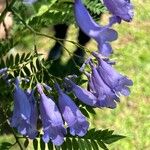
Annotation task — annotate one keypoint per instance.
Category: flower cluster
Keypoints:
(105, 84)
(25, 114)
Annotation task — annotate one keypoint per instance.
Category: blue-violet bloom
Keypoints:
(72, 115)
(22, 113)
(82, 94)
(52, 121)
(112, 78)
(122, 9)
(3, 70)
(102, 34)
(105, 96)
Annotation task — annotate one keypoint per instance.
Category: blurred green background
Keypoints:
(132, 54)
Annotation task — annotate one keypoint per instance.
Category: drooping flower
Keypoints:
(112, 78)
(22, 113)
(82, 94)
(72, 115)
(53, 126)
(34, 114)
(102, 34)
(122, 9)
(105, 96)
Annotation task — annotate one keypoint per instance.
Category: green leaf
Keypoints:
(75, 144)
(69, 144)
(26, 143)
(94, 144)
(50, 146)
(26, 70)
(35, 144)
(102, 145)
(17, 59)
(113, 138)
(81, 144)
(5, 146)
(42, 144)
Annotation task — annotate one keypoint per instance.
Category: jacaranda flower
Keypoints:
(82, 94)
(102, 34)
(113, 79)
(72, 115)
(3, 70)
(22, 113)
(53, 126)
(32, 132)
(105, 96)
(120, 8)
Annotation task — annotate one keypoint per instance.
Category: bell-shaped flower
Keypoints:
(112, 78)
(102, 34)
(122, 9)
(22, 113)
(53, 126)
(32, 131)
(105, 96)
(82, 94)
(72, 115)
(91, 86)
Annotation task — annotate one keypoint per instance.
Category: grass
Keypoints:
(132, 54)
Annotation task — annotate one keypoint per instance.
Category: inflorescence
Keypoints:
(105, 84)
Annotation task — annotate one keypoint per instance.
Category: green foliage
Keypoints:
(95, 139)
(31, 66)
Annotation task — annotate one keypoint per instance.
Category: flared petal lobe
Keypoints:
(120, 8)
(72, 115)
(82, 94)
(113, 79)
(102, 34)
(105, 96)
(53, 126)
(32, 132)
(22, 113)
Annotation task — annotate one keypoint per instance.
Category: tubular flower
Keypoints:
(34, 114)
(122, 9)
(105, 96)
(22, 113)
(82, 94)
(72, 115)
(51, 119)
(102, 34)
(117, 82)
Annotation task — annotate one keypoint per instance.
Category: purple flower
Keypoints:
(3, 70)
(23, 118)
(53, 126)
(105, 96)
(34, 114)
(72, 115)
(112, 78)
(102, 34)
(122, 9)
(82, 94)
